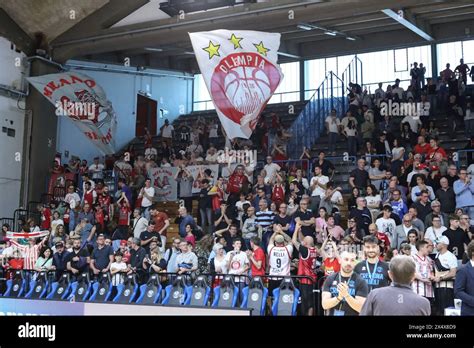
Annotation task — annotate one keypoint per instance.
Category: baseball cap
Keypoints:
(444, 240)
(58, 244)
(123, 242)
(279, 238)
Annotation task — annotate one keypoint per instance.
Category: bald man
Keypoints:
(306, 265)
(398, 298)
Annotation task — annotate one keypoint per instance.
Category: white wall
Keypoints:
(10, 147)
(172, 93)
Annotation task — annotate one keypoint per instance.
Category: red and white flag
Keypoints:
(241, 73)
(80, 98)
(18, 235)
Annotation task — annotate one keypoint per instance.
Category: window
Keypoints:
(202, 99)
(452, 52)
(289, 88)
(400, 58)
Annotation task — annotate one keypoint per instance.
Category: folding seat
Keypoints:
(15, 286)
(102, 288)
(150, 292)
(255, 296)
(60, 289)
(175, 294)
(127, 291)
(81, 288)
(38, 286)
(285, 298)
(226, 294)
(198, 294)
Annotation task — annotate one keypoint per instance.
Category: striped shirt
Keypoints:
(424, 268)
(30, 254)
(264, 218)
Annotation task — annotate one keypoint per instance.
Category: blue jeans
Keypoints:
(146, 212)
(352, 146)
(333, 137)
(206, 220)
(469, 125)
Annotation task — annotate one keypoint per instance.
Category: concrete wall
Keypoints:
(171, 92)
(11, 118)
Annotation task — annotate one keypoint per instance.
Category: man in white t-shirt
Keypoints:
(386, 224)
(72, 198)
(435, 232)
(446, 265)
(237, 263)
(396, 89)
(317, 186)
(279, 251)
(97, 169)
(333, 125)
(146, 194)
(167, 132)
(139, 224)
(271, 169)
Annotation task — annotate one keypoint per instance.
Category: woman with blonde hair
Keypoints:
(155, 263)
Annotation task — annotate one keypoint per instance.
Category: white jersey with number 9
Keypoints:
(279, 259)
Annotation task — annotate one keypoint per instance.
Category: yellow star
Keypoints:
(212, 49)
(261, 49)
(236, 41)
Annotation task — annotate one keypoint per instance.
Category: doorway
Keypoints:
(146, 115)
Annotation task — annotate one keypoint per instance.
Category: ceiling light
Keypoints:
(153, 49)
(304, 26)
(350, 38)
(331, 33)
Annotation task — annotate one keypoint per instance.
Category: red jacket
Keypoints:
(236, 182)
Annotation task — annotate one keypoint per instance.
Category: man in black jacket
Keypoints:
(137, 255)
(362, 216)
(60, 259)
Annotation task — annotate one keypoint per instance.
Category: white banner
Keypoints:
(19, 235)
(80, 98)
(198, 174)
(166, 188)
(241, 73)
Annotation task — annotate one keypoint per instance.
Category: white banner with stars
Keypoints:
(241, 73)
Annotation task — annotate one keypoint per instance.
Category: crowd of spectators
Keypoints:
(407, 196)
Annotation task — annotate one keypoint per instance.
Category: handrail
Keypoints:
(353, 71)
(309, 125)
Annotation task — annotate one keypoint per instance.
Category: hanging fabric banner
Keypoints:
(241, 73)
(83, 101)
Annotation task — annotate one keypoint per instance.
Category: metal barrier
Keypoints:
(9, 221)
(31, 206)
(213, 278)
(309, 125)
(20, 217)
(460, 155)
